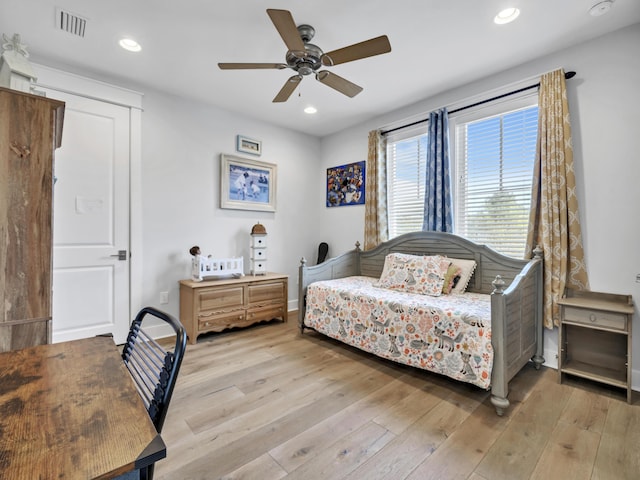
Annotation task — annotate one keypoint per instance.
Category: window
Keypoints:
(406, 161)
(494, 171)
(492, 154)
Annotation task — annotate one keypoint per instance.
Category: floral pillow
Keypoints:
(414, 274)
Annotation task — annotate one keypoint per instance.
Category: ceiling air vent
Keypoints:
(70, 22)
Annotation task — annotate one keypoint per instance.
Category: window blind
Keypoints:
(494, 169)
(406, 162)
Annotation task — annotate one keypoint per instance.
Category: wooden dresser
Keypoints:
(215, 305)
(30, 131)
(594, 339)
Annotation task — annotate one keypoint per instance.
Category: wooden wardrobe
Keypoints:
(30, 131)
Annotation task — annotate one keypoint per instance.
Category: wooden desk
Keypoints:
(70, 410)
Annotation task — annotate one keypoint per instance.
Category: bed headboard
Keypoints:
(370, 263)
(489, 262)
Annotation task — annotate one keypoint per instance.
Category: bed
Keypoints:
(386, 301)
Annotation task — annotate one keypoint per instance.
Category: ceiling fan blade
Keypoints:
(288, 88)
(368, 48)
(283, 21)
(338, 83)
(244, 66)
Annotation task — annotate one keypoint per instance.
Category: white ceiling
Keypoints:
(436, 45)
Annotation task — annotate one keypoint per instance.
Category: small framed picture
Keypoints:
(248, 145)
(345, 185)
(247, 184)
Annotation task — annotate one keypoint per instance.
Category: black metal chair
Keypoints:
(154, 368)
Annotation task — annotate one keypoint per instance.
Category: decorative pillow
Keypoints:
(451, 278)
(466, 270)
(414, 274)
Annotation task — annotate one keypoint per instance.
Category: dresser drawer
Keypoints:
(268, 292)
(266, 313)
(617, 321)
(220, 297)
(220, 321)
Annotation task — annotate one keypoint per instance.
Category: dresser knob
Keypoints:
(593, 317)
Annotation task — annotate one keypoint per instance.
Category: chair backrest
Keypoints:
(154, 368)
(323, 249)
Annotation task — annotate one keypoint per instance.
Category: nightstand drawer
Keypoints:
(596, 318)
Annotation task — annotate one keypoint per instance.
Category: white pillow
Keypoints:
(466, 270)
(414, 273)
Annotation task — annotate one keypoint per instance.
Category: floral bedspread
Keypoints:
(449, 334)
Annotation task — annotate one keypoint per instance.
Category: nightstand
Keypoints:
(594, 339)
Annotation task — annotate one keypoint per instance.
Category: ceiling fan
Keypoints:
(306, 58)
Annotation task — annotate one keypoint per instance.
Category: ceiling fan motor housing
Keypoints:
(307, 62)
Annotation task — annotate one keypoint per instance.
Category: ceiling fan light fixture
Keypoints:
(130, 44)
(506, 16)
(601, 8)
(310, 110)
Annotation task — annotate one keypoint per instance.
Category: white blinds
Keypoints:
(406, 160)
(494, 169)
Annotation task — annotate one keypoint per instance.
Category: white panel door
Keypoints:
(91, 221)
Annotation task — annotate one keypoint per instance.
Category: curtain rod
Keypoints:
(567, 75)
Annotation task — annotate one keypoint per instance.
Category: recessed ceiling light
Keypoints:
(507, 15)
(310, 110)
(600, 8)
(130, 44)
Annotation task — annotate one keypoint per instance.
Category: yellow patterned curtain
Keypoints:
(554, 223)
(375, 209)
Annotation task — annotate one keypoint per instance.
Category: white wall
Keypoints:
(181, 146)
(182, 142)
(604, 99)
(175, 185)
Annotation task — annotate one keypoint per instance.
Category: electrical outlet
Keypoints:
(164, 298)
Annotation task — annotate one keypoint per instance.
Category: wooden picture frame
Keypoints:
(247, 184)
(248, 145)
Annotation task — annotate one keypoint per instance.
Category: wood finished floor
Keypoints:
(266, 403)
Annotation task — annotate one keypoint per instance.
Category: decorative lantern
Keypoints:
(258, 249)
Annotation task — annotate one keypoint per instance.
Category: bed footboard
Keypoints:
(516, 328)
(342, 266)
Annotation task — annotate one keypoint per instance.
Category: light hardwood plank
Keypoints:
(262, 468)
(346, 454)
(569, 454)
(461, 453)
(586, 410)
(405, 452)
(268, 403)
(296, 451)
(618, 456)
(523, 440)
